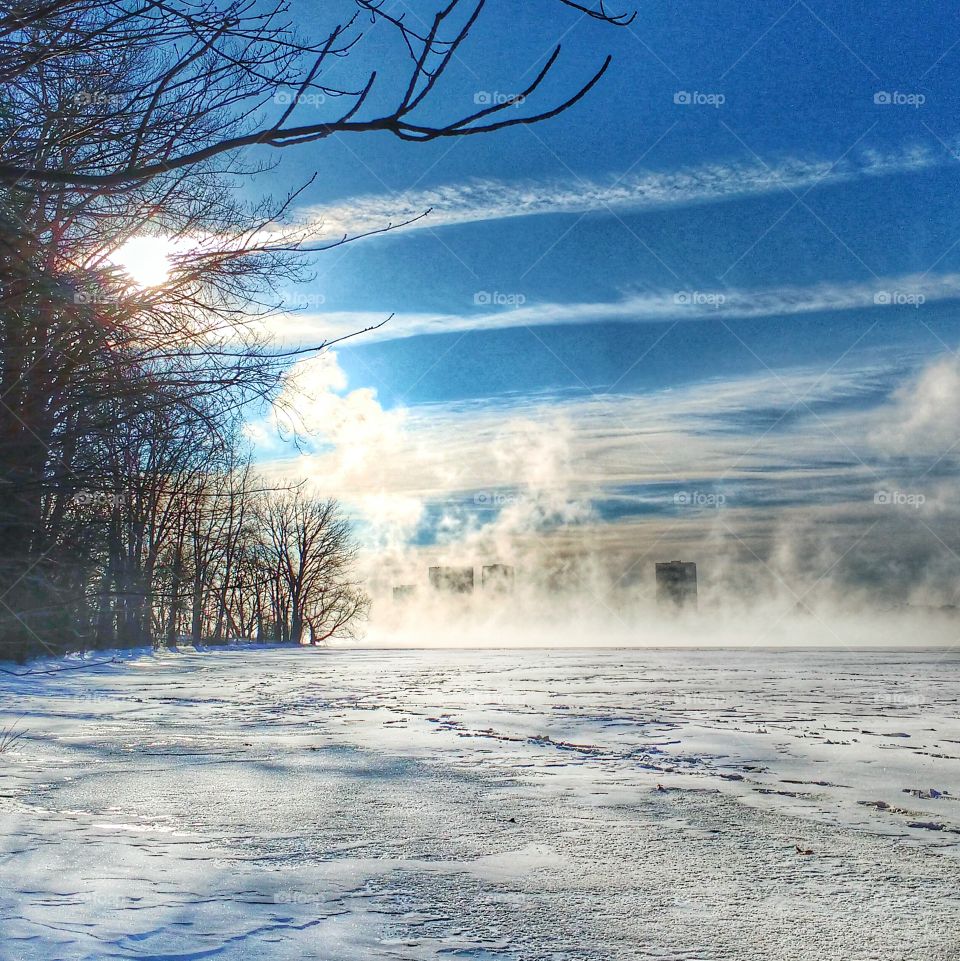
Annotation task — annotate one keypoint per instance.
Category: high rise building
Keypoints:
(497, 578)
(452, 580)
(677, 583)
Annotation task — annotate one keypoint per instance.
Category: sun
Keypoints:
(145, 260)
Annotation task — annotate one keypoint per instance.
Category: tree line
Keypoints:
(129, 511)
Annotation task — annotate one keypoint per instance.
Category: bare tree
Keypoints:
(310, 554)
(220, 77)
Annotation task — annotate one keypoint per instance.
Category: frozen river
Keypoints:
(485, 806)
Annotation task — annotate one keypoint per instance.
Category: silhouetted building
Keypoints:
(497, 578)
(452, 580)
(403, 592)
(677, 583)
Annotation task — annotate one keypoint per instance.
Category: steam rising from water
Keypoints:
(539, 488)
(545, 620)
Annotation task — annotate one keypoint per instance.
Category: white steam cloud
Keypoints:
(796, 552)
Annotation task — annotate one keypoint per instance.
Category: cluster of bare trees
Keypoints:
(190, 544)
(127, 514)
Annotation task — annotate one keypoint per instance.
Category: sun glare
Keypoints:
(146, 260)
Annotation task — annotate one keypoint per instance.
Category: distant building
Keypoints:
(677, 583)
(452, 580)
(497, 578)
(403, 592)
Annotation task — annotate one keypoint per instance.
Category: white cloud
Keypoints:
(482, 200)
(800, 492)
(914, 290)
(315, 403)
(924, 418)
(563, 450)
(578, 446)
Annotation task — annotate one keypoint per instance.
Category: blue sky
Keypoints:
(792, 220)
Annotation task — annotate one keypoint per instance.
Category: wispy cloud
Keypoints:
(618, 477)
(481, 200)
(913, 290)
(697, 433)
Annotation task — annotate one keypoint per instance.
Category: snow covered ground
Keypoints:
(485, 806)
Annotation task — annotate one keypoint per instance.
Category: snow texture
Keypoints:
(485, 806)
